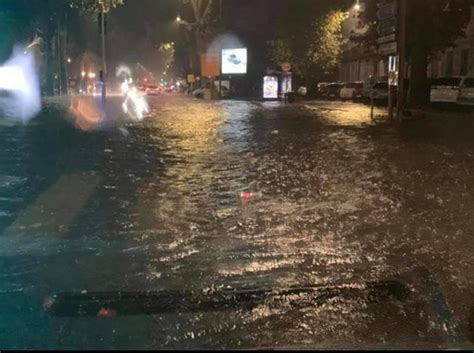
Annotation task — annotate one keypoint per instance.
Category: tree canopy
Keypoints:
(314, 53)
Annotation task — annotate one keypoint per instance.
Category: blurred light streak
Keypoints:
(86, 113)
(18, 77)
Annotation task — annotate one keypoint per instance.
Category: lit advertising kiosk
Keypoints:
(277, 84)
(234, 62)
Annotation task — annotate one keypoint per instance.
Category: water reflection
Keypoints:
(86, 112)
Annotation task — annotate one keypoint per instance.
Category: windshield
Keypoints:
(447, 81)
(468, 83)
(166, 183)
(381, 85)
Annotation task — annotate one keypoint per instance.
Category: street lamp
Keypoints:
(69, 60)
(357, 6)
(178, 19)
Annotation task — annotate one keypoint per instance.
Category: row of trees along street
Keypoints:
(311, 38)
(54, 26)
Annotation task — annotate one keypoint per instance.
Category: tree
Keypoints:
(92, 7)
(326, 45)
(204, 26)
(317, 54)
(432, 26)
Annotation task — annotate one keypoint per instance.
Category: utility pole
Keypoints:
(402, 39)
(104, 60)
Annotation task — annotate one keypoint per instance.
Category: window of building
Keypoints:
(464, 62)
(449, 63)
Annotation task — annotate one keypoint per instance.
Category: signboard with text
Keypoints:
(210, 65)
(386, 27)
(286, 67)
(387, 38)
(387, 11)
(388, 48)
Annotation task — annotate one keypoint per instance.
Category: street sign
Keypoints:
(191, 79)
(386, 27)
(388, 48)
(386, 11)
(286, 67)
(210, 65)
(387, 38)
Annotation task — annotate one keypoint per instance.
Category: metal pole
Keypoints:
(65, 57)
(58, 51)
(372, 103)
(104, 61)
(402, 35)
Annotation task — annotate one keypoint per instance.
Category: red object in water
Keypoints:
(108, 313)
(246, 196)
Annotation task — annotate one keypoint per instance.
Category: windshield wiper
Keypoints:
(88, 304)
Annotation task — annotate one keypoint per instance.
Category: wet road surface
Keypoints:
(235, 224)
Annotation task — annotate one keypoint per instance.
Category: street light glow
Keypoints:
(69, 60)
(178, 19)
(357, 6)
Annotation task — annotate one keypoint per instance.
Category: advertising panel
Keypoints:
(270, 87)
(210, 65)
(234, 61)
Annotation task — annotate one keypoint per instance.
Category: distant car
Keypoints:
(302, 91)
(380, 90)
(225, 93)
(322, 89)
(445, 89)
(352, 90)
(466, 92)
(334, 90)
(198, 93)
(168, 90)
(152, 90)
(369, 84)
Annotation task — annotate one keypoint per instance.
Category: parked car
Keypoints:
(334, 90)
(225, 93)
(369, 84)
(322, 89)
(380, 90)
(445, 89)
(152, 90)
(466, 92)
(302, 91)
(352, 90)
(198, 93)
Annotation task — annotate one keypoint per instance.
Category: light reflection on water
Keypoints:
(169, 215)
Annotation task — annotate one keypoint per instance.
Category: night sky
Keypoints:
(139, 25)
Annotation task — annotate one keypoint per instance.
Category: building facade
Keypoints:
(358, 64)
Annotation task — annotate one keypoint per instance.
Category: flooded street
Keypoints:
(338, 230)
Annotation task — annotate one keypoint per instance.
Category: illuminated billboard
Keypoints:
(234, 61)
(270, 87)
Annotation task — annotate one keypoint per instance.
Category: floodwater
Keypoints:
(235, 225)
